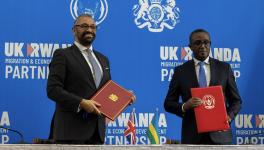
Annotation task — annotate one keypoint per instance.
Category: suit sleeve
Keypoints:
(232, 94)
(55, 85)
(171, 103)
(109, 71)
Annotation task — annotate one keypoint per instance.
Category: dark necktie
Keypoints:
(97, 75)
(202, 77)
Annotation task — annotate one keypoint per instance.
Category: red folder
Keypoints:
(113, 99)
(211, 115)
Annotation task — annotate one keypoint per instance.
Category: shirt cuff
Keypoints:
(79, 108)
(183, 108)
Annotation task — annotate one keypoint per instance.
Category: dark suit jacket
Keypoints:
(183, 80)
(70, 80)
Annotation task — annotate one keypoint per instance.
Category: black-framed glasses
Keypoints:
(86, 26)
(200, 43)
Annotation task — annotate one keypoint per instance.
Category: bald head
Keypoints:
(84, 30)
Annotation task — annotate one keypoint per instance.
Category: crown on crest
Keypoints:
(155, 1)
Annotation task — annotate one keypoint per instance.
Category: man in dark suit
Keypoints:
(76, 73)
(186, 77)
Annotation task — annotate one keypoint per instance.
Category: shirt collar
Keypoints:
(83, 48)
(196, 61)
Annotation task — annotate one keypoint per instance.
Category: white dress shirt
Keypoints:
(206, 68)
(85, 53)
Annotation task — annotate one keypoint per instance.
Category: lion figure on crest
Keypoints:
(141, 10)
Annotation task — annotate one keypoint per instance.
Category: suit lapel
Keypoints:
(87, 70)
(212, 72)
(193, 77)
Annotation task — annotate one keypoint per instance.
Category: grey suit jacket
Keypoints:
(70, 80)
(183, 80)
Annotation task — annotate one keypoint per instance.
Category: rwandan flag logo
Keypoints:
(153, 128)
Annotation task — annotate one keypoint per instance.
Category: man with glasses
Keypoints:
(187, 76)
(76, 73)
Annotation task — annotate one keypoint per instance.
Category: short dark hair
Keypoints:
(82, 15)
(197, 31)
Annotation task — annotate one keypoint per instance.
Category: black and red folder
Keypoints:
(211, 114)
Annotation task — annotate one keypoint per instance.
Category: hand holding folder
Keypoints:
(133, 99)
(90, 106)
(192, 103)
(113, 99)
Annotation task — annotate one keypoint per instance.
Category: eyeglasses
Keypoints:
(200, 43)
(85, 26)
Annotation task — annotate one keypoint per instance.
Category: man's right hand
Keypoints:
(90, 106)
(191, 103)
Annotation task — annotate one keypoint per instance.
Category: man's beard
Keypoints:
(87, 41)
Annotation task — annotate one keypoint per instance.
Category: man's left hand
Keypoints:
(133, 99)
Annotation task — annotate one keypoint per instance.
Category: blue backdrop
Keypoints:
(144, 40)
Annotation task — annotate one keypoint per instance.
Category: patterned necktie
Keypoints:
(97, 75)
(202, 77)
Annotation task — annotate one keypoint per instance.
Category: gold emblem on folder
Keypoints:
(113, 97)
